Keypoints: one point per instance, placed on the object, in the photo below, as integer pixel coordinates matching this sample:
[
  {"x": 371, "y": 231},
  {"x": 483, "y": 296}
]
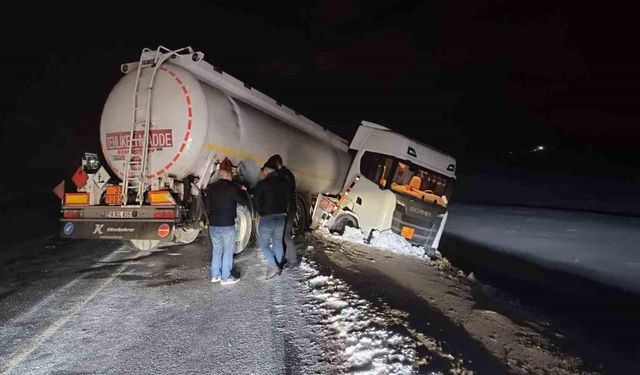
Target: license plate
[{"x": 121, "y": 214}]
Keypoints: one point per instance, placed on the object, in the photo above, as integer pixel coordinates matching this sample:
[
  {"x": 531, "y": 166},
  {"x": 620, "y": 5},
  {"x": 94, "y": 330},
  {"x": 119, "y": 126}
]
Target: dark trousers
[{"x": 290, "y": 248}]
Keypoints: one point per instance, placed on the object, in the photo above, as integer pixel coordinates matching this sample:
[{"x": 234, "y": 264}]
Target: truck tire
[
  {"x": 142, "y": 245},
  {"x": 244, "y": 228},
  {"x": 186, "y": 235},
  {"x": 343, "y": 221},
  {"x": 301, "y": 217}
]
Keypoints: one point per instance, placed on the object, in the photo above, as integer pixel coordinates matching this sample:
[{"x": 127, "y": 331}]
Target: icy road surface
[
  {"x": 95, "y": 307},
  {"x": 604, "y": 248}
]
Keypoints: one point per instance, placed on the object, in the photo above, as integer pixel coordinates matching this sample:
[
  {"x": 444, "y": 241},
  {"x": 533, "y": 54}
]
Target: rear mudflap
[{"x": 118, "y": 229}]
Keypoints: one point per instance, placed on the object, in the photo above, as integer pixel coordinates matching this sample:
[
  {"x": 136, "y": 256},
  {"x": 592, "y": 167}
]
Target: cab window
[
  {"x": 420, "y": 183},
  {"x": 376, "y": 167}
]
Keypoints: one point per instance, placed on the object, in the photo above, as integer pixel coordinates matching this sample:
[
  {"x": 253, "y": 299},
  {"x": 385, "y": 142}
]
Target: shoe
[
  {"x": 273, "y": 272},
  {"x": 215, "y": 279},
  {"x": 229, "y": 281}
]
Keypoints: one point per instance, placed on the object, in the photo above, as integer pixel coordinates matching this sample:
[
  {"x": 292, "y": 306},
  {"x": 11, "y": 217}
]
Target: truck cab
[{"x": 394, "y": 183}]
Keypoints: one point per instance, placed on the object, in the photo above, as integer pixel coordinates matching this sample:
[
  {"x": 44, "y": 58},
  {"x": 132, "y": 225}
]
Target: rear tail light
[
  {"x": 164, "y": 214},
  {"x": 72, "y": 214},
  {"x": 76, "y": 199},
  {"x": 161, "y": 198}
]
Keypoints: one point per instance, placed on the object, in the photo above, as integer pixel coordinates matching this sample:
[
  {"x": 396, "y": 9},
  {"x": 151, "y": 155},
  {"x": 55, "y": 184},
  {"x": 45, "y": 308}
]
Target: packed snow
[
  {"x": 352, "y": 234},
  {"x": 318, "y": 281},
  {"x": 390, "y": 241},
  {"x": 385, "y": 240},
  {"x": 361, "y": 333}
]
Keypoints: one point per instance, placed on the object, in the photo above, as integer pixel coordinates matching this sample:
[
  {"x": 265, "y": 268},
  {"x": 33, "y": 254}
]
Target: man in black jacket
[
  {"x": 290, "y": 256},
  {"x": 271, "y": 198},
  {"x": 222, "y": 198}
]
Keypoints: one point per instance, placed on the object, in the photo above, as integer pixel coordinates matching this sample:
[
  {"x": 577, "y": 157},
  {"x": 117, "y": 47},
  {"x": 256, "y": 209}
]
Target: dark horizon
[
  {"x": 523, "y": 258},
  {"x": 485, "y": 83}
]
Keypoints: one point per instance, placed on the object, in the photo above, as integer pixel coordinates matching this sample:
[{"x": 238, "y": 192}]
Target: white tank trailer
[
  {"x": 194, "y": 116},
  {"x": 193, "y": 121}
]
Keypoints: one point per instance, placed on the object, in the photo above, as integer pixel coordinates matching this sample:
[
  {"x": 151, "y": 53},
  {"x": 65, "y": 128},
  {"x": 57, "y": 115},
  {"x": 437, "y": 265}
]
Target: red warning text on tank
[{"x": 158, "y": 138}]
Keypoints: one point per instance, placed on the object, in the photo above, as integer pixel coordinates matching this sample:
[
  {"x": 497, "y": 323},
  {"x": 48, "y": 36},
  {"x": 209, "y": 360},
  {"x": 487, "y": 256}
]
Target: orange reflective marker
[
  {"x": 114, "y": 195},
  {"x": 407, "y": 232},
  {"x": 76, "y": 199},
  {"x": 162, "y": 197}
]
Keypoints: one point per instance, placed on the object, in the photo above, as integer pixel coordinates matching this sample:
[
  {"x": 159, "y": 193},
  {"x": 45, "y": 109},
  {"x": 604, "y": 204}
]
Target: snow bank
[
  {"x": 363, "y": 334},
  {"x": 385, "y": 240},
  {"x": 351, "y": 234},
  {"x": 397, "y": 244}
]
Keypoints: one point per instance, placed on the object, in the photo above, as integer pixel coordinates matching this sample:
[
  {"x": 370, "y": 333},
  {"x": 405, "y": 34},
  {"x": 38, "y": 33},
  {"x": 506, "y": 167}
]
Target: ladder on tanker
[{"x": 135, "y": 162}]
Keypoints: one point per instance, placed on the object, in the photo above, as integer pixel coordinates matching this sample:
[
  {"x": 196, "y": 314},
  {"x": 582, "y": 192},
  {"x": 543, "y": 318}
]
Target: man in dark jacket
[
  {"x": 271, "y": 199},
  {"x": 222, "y": 198},
  {"x": 291, "y": 257}
]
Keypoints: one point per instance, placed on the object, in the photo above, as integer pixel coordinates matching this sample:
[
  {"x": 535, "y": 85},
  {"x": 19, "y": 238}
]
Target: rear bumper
[
  {"x": 134, "y": 223},
  {"x": 117, "y": 229}
]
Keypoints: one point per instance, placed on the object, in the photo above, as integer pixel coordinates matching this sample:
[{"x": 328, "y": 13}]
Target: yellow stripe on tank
[
  {"x": 238, "y": 154},
  {"x": 231, "y": 152}
]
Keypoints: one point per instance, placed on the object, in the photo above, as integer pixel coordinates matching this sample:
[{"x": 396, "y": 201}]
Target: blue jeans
[
  {"x": 270, "y": 235},
  {"x": 223, "y": 240}
]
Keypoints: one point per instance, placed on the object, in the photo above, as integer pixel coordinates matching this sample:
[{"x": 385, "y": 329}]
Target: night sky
[{"x": 471, "y": 78}]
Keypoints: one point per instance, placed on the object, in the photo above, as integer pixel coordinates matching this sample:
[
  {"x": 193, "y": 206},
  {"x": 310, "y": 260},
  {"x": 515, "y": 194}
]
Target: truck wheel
[
  {"x": 301, "y": 217},
  {"x": 186, "y": 236},
  {"x": 142, "y": 245},
  {"x": 344, "y": 221},
  {"x": 244, "y": 228}
]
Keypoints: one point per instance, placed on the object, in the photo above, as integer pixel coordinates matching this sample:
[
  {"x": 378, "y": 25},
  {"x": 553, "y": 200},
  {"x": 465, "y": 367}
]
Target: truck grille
[{"x": 424, "y": 217}]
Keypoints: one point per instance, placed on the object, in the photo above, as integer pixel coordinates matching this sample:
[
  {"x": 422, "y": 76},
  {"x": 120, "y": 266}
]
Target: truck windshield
[{"x": 408, "y": 179}]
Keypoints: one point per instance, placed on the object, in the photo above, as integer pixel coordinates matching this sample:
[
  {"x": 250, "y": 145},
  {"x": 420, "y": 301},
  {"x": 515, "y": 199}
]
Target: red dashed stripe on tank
[
  {"x": 187, "y": 135},
  {"x": 186, "y": 138}
]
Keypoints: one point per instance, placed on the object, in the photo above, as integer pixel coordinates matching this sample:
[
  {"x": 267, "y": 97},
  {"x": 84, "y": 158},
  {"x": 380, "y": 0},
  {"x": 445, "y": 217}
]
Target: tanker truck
[{"x": 173, "y": 119}]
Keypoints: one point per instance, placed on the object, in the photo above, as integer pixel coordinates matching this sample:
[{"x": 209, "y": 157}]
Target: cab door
[{"x": 369, "y": 200}]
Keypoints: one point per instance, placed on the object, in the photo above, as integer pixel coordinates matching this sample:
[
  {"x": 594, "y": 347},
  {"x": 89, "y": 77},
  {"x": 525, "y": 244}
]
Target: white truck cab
[{"x": 394, "y": 183}]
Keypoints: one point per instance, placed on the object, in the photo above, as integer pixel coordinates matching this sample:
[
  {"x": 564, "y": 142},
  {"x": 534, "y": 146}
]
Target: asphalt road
[{"x": 97, "y": 307}]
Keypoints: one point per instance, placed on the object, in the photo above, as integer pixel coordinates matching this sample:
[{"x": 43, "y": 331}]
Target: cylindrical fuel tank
[{"x": 191, "y": 120}]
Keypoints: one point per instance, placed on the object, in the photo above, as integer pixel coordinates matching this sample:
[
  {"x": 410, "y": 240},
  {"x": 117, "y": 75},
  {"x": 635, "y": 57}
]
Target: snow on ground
[
  {"x": 361, "y": 334},
  {"x": 352, "y": 234},
  {"x": 596, "y": 246},
  {"x": 385, "y": 240},
  {"x": 390, "y": 241}
]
